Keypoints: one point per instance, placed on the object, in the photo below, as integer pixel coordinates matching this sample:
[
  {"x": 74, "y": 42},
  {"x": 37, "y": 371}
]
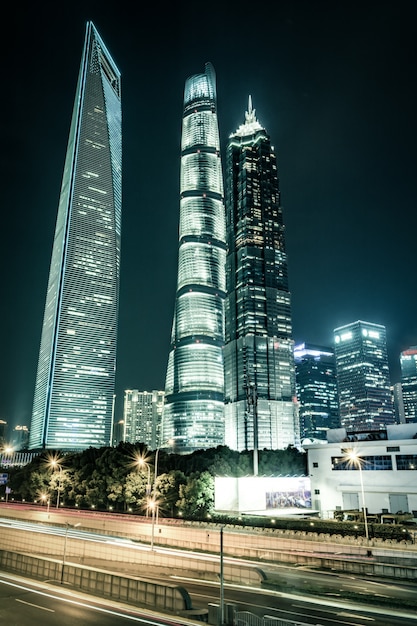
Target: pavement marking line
[
  {"x": 37, "y": 606},
  {"x": 371, "y": 619}
]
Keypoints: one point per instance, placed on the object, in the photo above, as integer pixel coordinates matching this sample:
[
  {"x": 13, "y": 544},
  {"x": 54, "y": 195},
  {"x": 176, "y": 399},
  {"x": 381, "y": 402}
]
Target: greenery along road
[{"x": 114, "y": 477}]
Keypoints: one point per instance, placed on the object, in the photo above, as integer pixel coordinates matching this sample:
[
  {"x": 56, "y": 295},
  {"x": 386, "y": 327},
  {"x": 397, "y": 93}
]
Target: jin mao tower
[
  {"x": 258, "y": 355},
  {"x": 194, "y": 391},
  {"x": 74, "y": 394}
]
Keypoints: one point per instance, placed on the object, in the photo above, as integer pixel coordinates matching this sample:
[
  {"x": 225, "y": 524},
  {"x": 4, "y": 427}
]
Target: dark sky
[{"x": 334, "y": 83}]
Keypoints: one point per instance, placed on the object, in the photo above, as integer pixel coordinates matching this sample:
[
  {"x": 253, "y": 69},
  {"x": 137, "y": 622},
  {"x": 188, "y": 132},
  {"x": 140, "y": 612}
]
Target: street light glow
[
  {"x": 352, "y": 457},
  {"x": 55, "y": 463}
]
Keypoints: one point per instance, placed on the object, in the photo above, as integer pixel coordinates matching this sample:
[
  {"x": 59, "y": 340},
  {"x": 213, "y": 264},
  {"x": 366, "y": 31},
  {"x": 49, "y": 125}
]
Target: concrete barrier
[
  {"x": 136, "y": 591},
  {"x": 106, "y": 555},
  {"x": 264, "y": 545}
]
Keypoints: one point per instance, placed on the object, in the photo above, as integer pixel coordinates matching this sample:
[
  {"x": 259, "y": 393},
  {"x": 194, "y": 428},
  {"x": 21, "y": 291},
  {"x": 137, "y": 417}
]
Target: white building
[{"x": 385, "y": 482}]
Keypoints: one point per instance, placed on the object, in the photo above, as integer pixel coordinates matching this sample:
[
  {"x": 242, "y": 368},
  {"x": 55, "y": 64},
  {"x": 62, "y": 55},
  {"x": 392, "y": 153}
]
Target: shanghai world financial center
[{"x": 74, "y": 393}]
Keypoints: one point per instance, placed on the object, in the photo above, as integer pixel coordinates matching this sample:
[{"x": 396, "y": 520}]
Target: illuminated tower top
[{"x": 251, "y": 124}]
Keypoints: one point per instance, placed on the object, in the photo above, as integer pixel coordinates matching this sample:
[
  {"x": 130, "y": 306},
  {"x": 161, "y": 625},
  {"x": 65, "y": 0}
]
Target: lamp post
[
  {"x": 356, "y": 460},
  {"x": 142, "y": 462},
  {"x": 44, "y": 498},
  {"x": 55, "y": 464},
  {"x": 154, "y": 507},
  {"x": 68, "y": 526},
  {"x": 153, "y": 503},
  {"x": 221, "y": 579}
]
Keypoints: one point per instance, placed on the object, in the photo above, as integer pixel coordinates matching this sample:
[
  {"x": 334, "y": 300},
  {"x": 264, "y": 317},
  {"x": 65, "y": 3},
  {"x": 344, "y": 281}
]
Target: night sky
[{"x": 334, "y": 84}]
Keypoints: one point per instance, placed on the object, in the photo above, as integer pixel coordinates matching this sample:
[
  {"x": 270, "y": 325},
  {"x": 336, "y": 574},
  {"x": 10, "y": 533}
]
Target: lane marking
[
  {"x": 37, "y": 606},
  {"x": 353, "y": 616}
]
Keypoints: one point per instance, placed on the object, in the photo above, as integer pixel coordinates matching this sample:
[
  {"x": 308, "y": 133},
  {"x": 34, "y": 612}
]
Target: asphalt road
[
  {"x": 25, "y": 603},
  {"x": 301, "y": 609},
  {"x": 292, "y": 599}
]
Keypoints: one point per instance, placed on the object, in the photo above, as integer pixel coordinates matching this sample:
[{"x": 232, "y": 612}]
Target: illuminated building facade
[
  {"x": 315, "y": 375},
  {"x": 408, "y": 361},
  {"x": 142, "y": 416},
  {"x": 363, "y": 379},
  {"x": 193, "y": 413},
  {"x": 74, "y": 394},
  {"x": 258, "y": 354}
]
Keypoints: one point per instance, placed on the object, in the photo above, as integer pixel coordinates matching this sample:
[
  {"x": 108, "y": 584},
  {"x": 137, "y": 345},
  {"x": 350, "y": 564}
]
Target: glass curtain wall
[
  {"x": 74, "y": 394},
  {"x": 258, "y": 355},
  {"x": 193, "y": 413}
]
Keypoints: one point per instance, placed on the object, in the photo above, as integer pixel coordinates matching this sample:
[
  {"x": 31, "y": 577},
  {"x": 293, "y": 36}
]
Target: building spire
[
  {"x": 250, "y": 113},
  {"x": 251, "y": 124}
]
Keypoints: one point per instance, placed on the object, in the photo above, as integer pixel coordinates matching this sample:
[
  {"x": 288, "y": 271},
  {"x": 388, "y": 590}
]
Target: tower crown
[{"x": 251, "y": 124}]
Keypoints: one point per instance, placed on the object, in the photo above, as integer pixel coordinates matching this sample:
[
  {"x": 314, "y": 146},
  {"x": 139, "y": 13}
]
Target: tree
[
  {"x": 168, "y": 491},
  {"x": 196, "y": 499}
]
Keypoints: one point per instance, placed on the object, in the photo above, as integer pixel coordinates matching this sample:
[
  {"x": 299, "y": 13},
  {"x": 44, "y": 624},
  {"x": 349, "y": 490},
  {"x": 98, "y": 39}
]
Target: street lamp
[
  {"x": 68, "y": 526},
  {"x": 153, "y": 505},
  {"x": 152, "y": 502},
  {"x": 354, "y": 458},
  {"x": 221, "y": 579},
  {"x": 143, "y": 463},
  {"x": 44, "y": 498},
  {"x": 55, "y": 464}
]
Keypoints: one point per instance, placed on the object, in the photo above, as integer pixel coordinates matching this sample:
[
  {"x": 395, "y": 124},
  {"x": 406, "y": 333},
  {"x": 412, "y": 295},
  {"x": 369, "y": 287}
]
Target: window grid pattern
[
  {"x": 369, "y": 463},
  {"x": 406, "y": 461},
  {"x": 73, "y": 404},
  {"x": 258, "y": 328},
  {"x": 193, "y": 413},
  {"x": 363, "y": 376}
]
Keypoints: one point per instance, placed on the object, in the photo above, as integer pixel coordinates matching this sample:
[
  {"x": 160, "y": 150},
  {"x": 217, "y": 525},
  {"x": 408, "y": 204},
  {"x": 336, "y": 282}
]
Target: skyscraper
[
  {"x": 363, "y": 376},
  {"x": 315, "y": 375},
  {"x": 142, "y": 415},
  {"x": 408, "y": 361},
  {"x": 193, "y": 413},
  {"x": 74, "y": 394},
  {"x": 258, "y": 354}
]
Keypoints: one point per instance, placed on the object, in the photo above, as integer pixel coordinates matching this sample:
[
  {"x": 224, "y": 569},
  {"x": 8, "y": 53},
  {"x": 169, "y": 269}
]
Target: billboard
[{"x": 262, "y": 494}]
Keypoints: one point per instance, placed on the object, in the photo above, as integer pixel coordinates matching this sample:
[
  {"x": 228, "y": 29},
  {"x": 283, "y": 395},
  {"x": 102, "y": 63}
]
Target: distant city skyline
[{"x": 332, "y": 86}]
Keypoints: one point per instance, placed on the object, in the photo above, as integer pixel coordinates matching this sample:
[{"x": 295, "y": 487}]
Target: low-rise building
[{"x": 375, "y": 470}]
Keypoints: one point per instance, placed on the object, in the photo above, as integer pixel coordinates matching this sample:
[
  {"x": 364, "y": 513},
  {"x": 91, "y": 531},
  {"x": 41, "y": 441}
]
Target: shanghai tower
[
  {"x": 258, "y": 353},
  {"x": 193, "y": 415},
  {"x": 74, "y": 393}
]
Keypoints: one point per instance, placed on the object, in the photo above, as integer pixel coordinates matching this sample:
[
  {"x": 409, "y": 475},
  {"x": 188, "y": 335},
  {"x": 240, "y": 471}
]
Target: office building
[
  {"x": 194, "y": 391},
  {"x": 258, "y": 354},
  {"x": 315, "y": 375},
  {"x": 142, "y": 416},
  {"x": 408, "y": 361},
  {"x": 74, "y": 395},
  {"x": 363, "y": 379},
  {"x": 398, "y": 401},
  {"x": 20, "y": 438}
]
